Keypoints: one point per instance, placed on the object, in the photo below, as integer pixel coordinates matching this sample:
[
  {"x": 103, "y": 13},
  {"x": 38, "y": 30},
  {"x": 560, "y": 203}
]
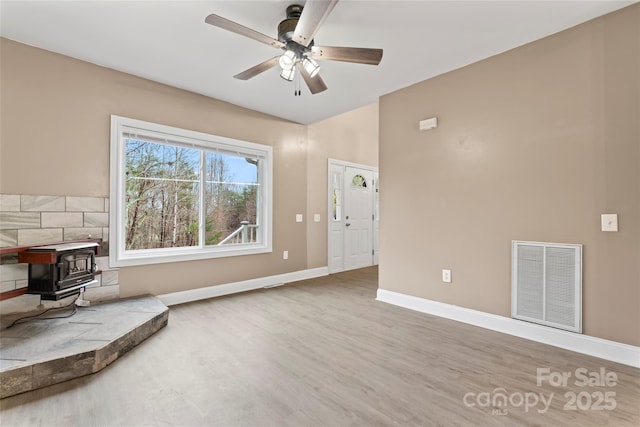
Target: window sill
[{"x": 147, "y": 257}]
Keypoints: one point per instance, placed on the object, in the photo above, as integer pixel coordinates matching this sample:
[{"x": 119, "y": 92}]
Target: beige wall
[
  {"x": 533, "y": 144},
  {"x": 56, "y": 110},
  {"x": 350, "y": 137}
]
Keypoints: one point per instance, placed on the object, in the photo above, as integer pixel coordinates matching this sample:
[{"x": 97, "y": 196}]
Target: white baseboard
[
  {"x": 598, "y": 347},
  {"x": 191, "y": 295}
]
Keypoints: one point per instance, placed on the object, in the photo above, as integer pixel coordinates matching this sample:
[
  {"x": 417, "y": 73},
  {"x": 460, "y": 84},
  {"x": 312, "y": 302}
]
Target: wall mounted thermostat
[{"x": 429, "y": 124}]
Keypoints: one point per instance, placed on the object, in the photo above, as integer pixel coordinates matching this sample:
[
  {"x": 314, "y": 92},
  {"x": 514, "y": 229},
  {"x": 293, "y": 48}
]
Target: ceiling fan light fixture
[
  {"x": 311, "y": 66},
  {"x": 288, "y": 74},
  {"x": 287, "y": 60},
  {"x": 297, "y": 46}
]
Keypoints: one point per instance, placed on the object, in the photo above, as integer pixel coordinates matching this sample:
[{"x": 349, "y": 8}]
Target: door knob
[{"x": 347, "y": 224}]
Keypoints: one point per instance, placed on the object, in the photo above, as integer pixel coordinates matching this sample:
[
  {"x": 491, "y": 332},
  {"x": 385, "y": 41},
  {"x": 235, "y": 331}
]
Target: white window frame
[{"x": 120, "y": 257}]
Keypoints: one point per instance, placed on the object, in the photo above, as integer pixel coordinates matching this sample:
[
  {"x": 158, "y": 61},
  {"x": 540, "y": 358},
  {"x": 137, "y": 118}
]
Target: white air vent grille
[{"x": 546, "y": 284}]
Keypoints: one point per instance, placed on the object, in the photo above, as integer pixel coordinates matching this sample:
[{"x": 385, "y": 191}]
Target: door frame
[{"x": 337, "y": 266}]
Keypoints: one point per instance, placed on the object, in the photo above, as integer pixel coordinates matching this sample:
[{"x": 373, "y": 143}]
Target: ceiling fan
[{"x": 295, "y": 38}]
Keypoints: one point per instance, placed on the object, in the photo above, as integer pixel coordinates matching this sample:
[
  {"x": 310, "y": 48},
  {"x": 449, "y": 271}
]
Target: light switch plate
[
  {"x": 298, "y": 217},
  {"x": 316, "y": 217},
  {"x": 609, "y": 222}
]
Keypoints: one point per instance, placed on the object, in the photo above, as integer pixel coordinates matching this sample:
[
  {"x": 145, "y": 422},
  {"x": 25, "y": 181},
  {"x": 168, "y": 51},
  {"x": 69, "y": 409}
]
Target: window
[
  {"x": 359, "y": 181},
  {"x": 178, "y": 195},
  {"x": 337, "y": 196}
]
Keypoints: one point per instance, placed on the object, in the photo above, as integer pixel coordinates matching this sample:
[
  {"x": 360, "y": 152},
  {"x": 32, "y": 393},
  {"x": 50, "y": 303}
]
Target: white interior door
[{"x": 358, "y": 218}]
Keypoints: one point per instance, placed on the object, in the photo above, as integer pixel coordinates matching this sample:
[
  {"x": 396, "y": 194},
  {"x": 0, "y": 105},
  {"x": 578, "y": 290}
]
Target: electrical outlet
[
  {"x": 285, "y": 255},
  {"x": 446, "y": 276},
  {"x": 298, "y": 217}
]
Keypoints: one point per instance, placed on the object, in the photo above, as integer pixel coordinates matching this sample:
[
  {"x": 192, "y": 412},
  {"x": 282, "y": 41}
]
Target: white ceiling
[{"x": 169, "y": 42}]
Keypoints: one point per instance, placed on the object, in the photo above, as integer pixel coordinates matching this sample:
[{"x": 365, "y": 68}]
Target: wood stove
[{"x": 62, "y": 270}]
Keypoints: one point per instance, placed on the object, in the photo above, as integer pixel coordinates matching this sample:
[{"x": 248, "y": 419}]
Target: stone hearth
[{"x": 37, "y": 354}]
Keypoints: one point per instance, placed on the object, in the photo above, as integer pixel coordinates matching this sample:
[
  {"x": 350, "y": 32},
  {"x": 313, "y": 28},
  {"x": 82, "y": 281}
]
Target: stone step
[{"x": 39, "y": 353}]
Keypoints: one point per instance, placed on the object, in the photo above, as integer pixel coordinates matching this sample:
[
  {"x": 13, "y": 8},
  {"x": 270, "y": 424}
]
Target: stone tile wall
[{"x": 37, "y": 220}]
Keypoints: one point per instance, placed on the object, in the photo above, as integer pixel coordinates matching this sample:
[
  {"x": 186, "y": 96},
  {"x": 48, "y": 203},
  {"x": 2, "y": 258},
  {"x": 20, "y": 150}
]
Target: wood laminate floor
[{"x": 323, "y": 352}]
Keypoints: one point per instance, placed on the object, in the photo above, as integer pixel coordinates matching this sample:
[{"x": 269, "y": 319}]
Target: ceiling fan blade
[
  {"x": 313, "y": 15},
  {"x": 360, "y": 55},
  {"x": 224, "y": 23},
  {"x": 257, "y": 69},
  {"x": 315, "y": 84}
]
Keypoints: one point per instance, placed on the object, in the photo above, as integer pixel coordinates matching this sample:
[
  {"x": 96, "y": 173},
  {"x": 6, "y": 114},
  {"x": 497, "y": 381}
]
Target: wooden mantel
[{"x": 18, "y": 249}]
